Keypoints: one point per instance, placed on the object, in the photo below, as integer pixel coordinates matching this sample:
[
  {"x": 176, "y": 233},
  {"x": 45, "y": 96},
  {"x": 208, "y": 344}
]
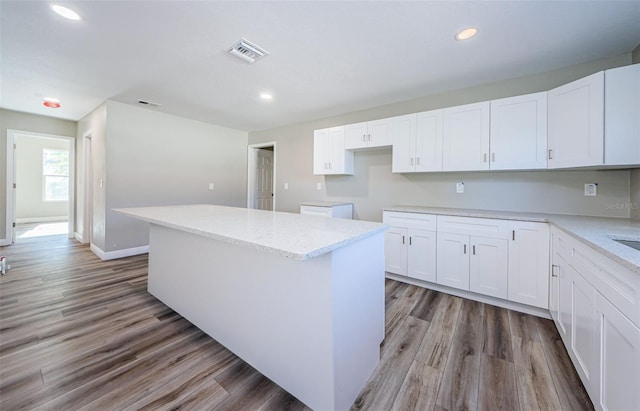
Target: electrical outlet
[
  {"x": 319, "y": 186},
  {"x": 460, "y": 187},
  {"x": 286, "y": 186},
  {"x": 590, "y": 189},
  {"x": 211, "y": 186}
]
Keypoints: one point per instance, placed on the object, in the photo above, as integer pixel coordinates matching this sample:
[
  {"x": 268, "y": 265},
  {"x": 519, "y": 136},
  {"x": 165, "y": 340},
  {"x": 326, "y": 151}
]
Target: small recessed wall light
[
  {"x": 51, "y": 102},
  {"x": 65, "y": 12},
  {"x": 266, "y": 96},
  {"x": 466, "y": 34}
]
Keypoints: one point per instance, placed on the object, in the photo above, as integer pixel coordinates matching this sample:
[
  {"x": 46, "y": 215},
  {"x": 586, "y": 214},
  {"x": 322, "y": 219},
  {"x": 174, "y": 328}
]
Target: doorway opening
[
  {"x": 39, "y": 186},
  {"x": 261, "y": 176}
]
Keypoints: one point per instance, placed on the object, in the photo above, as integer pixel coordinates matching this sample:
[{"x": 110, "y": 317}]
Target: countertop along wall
[
  {"x": 374, "y": 186},
  {"x": 16, "y": 120}
]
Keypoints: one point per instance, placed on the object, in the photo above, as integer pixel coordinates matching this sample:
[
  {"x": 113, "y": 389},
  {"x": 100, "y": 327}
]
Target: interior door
[{"x": 264, "y": 179}]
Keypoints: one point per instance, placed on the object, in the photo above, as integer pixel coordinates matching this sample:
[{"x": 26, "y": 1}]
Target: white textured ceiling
[{"x": 326, "y": 58}]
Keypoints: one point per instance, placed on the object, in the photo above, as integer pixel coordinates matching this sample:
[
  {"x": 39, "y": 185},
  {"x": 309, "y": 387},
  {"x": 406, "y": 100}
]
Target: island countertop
[{"x": 294, "y": 236}]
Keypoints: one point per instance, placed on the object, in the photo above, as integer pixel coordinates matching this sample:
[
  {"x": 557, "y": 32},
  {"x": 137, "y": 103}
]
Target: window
[{"x": 55, "y": 171}]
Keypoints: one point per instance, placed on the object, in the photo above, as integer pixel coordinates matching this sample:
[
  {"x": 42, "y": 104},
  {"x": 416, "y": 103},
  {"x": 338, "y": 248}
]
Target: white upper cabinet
[
  {"x": 466, "y": 137},
  {"x": 329, "y": 155},
  {"x": 519, "y": 132},
  {"x": 417, "y": 142},
  {"x": 576, "y": 123},
  {"x": 368, "y": 134},
  {"x": 622, "y": 116}
]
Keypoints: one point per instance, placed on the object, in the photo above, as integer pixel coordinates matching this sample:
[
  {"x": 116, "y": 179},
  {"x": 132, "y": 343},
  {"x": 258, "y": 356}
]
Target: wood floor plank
[
  {"x": 497, "y": 335},
  {"x": 381, "y": 390},
  {"x": 419, "y": 390},
  {"x": 497, "y": 372},
  {"x": 438, "y": 339},
  {"x": 523, "y": 326},
  {"x": 533, "y": 377},
  {"x": 459, "y": 386},
  {"x": 564, "y": 375}
]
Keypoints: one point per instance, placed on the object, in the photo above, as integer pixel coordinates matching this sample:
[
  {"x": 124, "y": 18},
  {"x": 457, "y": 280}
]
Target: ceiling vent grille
[
  {"x": 248, "y": 51},
  {"x": 148, "y": 103}
]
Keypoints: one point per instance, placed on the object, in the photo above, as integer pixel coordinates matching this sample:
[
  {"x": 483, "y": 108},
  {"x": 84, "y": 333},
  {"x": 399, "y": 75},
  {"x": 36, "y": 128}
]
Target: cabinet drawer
[
  {"x": 314, "y": 210},
  {"x": 482, "y": 227},
  {"x": 409, "y": 220}
]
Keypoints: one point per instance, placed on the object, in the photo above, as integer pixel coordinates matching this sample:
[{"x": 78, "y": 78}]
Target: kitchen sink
[{"x": 629, "y": 243}]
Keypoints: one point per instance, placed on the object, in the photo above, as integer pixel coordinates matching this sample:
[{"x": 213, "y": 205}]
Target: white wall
[
  {"x": 15, "y": 120},
  {"x": 150, "y": 159},
  {"x": 30, "y": 204},
  {"x": 635, "y": 174},
  {"x": 374, "y": 187}
]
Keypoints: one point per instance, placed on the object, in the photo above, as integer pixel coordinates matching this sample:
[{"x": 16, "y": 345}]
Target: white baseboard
[
  {"x": 523, "y": 308},
  {"x": 112, "y": 255},
  {"x": 42, "y": 219},
  {"x": 78, "y": 237}
]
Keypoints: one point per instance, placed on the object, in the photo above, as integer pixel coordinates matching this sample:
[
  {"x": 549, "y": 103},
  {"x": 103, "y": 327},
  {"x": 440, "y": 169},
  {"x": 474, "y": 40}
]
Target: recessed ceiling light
[
  {"x": 51, "y": 102},
  {"x": 266, "y": 96},
  {"x": 65, "y": 12},
  {"x": 466, "y": 34}
]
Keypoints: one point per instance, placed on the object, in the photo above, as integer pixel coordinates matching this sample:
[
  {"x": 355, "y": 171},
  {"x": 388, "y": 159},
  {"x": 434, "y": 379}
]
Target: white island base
[{"x": 312, "y": 326}]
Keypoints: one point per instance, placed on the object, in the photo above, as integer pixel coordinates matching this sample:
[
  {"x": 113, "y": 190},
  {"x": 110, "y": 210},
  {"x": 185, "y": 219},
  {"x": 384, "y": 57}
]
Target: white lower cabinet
[
  {"x": 594, "y": 303},
  {"x": 410, "y": 245},
  {"x": 504, "y": 259}
]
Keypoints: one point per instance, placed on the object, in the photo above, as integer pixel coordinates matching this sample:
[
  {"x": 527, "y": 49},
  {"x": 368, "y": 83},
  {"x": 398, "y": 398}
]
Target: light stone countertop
[
  {"x": 324, "y": 204},
  {"x": 596, "y": 232},
  {"x": 295, "y": 236}
]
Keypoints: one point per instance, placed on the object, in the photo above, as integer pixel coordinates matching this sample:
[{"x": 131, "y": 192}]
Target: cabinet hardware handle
[
  {"x": 369, "y": 137},
  {"x": 465, "y": 248},
  {"x": 474, "y": 250},
  {"x": 402, "y": 239},
  {"x": 409, "y": 240},
  {"x": 484, "y": 157},
  {"x": 513, "y": 235},
  {"x": 411, "y": 160},
  {"x": 550, "y": 156},
  {"x": 418, "y": 161},
  {"x": 363, "y": 137},
  {"x": 553, "y": 270},
  {"x": 329, "y": 165},
  {"x": 493, "y": 157}
]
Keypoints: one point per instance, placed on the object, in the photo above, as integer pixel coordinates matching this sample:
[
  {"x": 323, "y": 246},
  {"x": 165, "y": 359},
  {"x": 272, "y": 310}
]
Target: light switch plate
[
  {"x": 286, "y": 186},
  {"x": 319, "y": 186},
  {"x": 211, "y": 186},
  {"x": 460, "y": 187},
  {"x": 590, "y": 189}
]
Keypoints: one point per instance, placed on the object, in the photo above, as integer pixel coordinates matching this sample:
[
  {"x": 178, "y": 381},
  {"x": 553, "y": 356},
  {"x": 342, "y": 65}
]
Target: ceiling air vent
[
  {"x": 148, "y": 103},
  {"x": 248, "y": 51}
]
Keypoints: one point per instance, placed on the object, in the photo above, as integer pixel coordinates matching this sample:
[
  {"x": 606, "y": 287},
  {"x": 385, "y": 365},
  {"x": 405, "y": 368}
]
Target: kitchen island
[{"x": 299, "y": 298}]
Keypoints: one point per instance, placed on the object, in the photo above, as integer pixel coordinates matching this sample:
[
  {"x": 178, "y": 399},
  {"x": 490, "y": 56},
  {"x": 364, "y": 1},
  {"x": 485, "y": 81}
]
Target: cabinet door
[
  {"x": 529, "y": 263},
  {"x": 395, "y": 250},
  {"x": 422, "y": 255},
  {"x": 564, "y": 272},
  {"x": 519, "y": 132},
  {"x": 453, "y": 260},
  {"x": 339, "y": 160},
  {"x": 466, "y": 137},
  {"x": 379, "y": 133},
  {"x": 355, "y": 136},
  {"x": 320, "y": 147},
  {"x": 583, "y": 329},
  {"x": 554, "y": 285},
  {"x": 403, "y": 130},
  {"x": 618, "y": 347},
  {"x": 622, "y": 118},
  {"x": 315, "y": 210},
  {"x": 428, "y": 146},
  {"x": 488, "y": 266},
  {"x": 576, "y": 123}
]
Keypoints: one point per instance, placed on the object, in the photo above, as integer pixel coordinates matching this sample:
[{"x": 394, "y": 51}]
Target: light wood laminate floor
[{"x": 80, "y": 333}]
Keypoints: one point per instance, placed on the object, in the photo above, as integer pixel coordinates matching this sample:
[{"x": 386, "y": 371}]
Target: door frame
[
  {"x": 10, "y": 174},
  {"x": 87, "y": 210},
  {"x": 251, "y": 171}
]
